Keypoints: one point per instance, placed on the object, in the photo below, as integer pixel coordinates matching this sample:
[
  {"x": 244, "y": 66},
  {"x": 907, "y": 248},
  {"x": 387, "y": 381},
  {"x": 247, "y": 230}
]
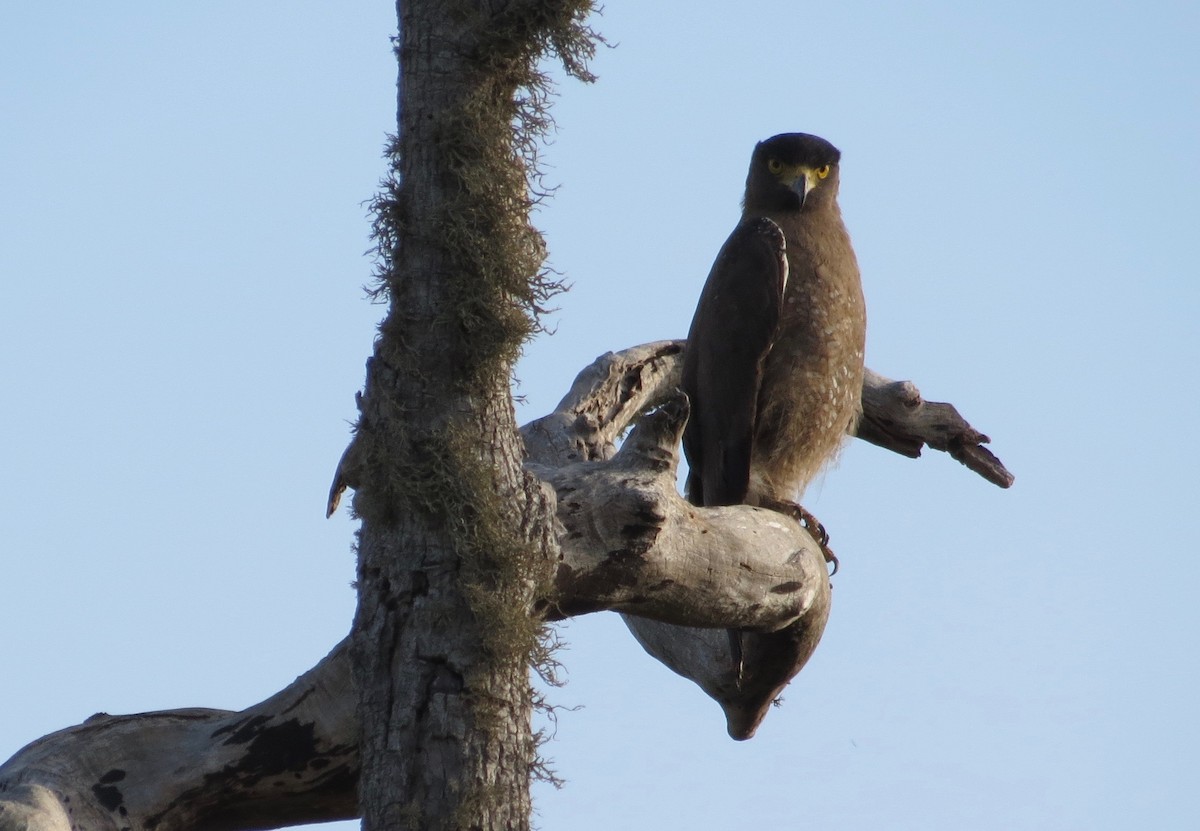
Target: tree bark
[
  {"x": 610, "y": 393},
  {"x": 456, "y": 538},
  {"x": 473, "y": 533},
  {"x": 289, "y": 760},
  {"x": 624, "y": 540},
  {"x": 444, "y": 736}
]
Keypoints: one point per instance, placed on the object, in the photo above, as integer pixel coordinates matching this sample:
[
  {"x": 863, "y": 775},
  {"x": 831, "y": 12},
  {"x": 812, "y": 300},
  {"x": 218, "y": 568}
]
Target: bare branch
[
  {"x": 605, "y": 398},
  {"x": 609, "y": 394},
  {"x": 627, "y": 543},
  {"x": 290, "y": 759},
  {"x": 896, "y": 418}
]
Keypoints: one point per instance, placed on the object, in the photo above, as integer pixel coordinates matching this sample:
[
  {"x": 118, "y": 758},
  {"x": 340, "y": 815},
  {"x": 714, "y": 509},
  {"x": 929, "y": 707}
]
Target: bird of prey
[{"x": 774, "y": 359}]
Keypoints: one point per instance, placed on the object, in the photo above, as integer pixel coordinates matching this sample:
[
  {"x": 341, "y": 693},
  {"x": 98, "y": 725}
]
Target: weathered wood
[
  {"x": 626, "y": 542},
  {"x": 607, "y": 395},
  {"x": 897, "y": 418},
  {"x": 454, "y": 536},
  {"x": 291, "y": 759},
  {"x": 630, "y": 544},
  {"x": 605, "y": 398}
]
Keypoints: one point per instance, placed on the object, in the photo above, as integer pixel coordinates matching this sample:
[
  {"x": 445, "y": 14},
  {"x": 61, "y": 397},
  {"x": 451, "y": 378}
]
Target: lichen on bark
[{"x": 452, "y": 548}]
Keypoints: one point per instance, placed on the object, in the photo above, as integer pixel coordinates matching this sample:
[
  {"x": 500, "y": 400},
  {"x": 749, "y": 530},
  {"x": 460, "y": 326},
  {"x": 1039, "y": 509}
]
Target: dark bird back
[{"x": 774, "y": 359}]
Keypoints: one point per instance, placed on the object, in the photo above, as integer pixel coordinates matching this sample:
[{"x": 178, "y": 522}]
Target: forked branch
[{"x": 679, "y": 574}]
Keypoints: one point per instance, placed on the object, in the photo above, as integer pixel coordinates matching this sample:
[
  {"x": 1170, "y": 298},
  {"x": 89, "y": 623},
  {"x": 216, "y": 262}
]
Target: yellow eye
[
  {"x": 774, "y": 165},
  {"x": 822, "y": 172}
]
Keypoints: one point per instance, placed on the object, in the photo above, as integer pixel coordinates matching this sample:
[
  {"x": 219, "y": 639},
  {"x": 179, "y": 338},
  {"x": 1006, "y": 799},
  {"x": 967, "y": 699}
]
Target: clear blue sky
[{"x": 182, "y": 331}]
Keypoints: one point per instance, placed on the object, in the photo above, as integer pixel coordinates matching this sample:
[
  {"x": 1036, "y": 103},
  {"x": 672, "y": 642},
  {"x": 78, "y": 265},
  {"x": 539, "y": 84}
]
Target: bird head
[{"x": 791, "y": 171}]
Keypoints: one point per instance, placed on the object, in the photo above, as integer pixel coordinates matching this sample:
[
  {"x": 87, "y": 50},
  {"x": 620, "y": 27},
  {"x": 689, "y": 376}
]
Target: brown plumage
[
  {"x": 774, "y": 358},
  {"x": 773, "y": 367}
]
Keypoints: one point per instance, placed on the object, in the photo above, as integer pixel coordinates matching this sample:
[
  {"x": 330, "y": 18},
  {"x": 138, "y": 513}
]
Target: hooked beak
[{"x": 803, "y": 184}]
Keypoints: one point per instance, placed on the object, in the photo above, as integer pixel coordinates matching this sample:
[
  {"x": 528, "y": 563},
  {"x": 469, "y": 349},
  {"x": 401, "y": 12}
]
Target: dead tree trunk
[
  {"x": 455, "y": 540},
  {"x": 294, "y": 758},
  {"x": 473, "y": 533}
]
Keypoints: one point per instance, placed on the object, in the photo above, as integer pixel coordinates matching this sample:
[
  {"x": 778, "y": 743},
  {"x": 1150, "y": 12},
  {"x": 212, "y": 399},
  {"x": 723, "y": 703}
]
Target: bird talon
[
  {"x": 814, "y": 527},
  {"x": 810, "y": 524},
  {"x": 830, "y": 557},
  {"x": 786, "y": 291},
  {"x": 818, "y": 532}
]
